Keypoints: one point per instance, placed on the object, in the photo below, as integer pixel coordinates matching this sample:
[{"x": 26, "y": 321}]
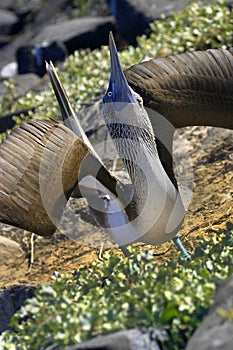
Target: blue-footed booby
[{"x": 42, "y": 162}]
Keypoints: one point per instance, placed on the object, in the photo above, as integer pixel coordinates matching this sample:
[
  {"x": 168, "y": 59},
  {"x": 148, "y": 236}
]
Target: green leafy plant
[
  {"x": 82, "y": 7},
  {"x": 119, "y": 293},
  {"x": 8, "y": 98},
  {"x": 197, "y": 27}
]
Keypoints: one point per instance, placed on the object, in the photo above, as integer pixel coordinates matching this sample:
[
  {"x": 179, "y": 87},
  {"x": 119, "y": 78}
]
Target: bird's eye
[{"x": 110, "y": 94}]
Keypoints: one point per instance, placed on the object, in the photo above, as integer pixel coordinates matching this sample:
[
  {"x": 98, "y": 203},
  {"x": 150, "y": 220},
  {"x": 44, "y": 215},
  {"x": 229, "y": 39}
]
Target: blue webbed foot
[{"x": 181, "y": 248}]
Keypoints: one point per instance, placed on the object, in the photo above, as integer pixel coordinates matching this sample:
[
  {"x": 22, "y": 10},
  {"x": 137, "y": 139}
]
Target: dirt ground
[{"x": 211, "y": 154}]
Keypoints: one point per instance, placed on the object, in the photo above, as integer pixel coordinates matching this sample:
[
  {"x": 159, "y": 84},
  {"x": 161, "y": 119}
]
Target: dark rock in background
[
  {"x": 8, "y": 22},
  {"x": 6, "y": 122},
  {"x": 216, "y": 331},
  {"x": 8, "y": 4},
  {"x": 4, "y": 40},
  {"x": 31, "y": 59},
  {"x": 11, "y": 299},
  {"x": 130, "y": 20},
  {"x": 36, "y": 15}
]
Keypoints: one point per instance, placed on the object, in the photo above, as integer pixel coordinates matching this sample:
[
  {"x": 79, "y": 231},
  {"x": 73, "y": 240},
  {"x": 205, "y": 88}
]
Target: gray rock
[
  {"x": 44, "y": 12},
  {"x": 10, "y": 252},
  {"x": 132, "y": 339},
  {"x": 8, "y": 22},
  {"x": 216, "y": 331},
  {"x": 4, "y": 40},
  {"x": 11, "y": 299},
  {"x": 8, "y": 4},
  {"x": 9, "y": 71},
  {"x": 78, "y": 33}
]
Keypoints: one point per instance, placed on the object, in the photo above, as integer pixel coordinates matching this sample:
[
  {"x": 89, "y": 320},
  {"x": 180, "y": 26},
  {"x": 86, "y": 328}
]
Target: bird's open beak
[{"x": 121, "y": 90}]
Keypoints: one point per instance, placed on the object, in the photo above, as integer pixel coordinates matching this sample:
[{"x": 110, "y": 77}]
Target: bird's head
[
  {"x": 118, "y": 90},
  {"x": 127, "y": 122}
]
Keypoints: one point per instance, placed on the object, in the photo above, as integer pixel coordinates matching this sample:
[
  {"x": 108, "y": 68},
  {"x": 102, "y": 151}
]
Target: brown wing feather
[
  {"x": 193, "y": 88},
  {"x": 38, "y": 161}
]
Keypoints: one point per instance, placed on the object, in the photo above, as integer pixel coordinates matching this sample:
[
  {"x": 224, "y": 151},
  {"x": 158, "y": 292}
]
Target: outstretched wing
[
  {"x": 193, "y": 88},
  {"x": 39, "y": 167}
]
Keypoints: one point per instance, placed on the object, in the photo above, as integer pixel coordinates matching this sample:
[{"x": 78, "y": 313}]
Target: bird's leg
[
  {"x": 101, "y": 251},
  {"x": 181, "y": 248},
  {"x": 31, "y": 262}
]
